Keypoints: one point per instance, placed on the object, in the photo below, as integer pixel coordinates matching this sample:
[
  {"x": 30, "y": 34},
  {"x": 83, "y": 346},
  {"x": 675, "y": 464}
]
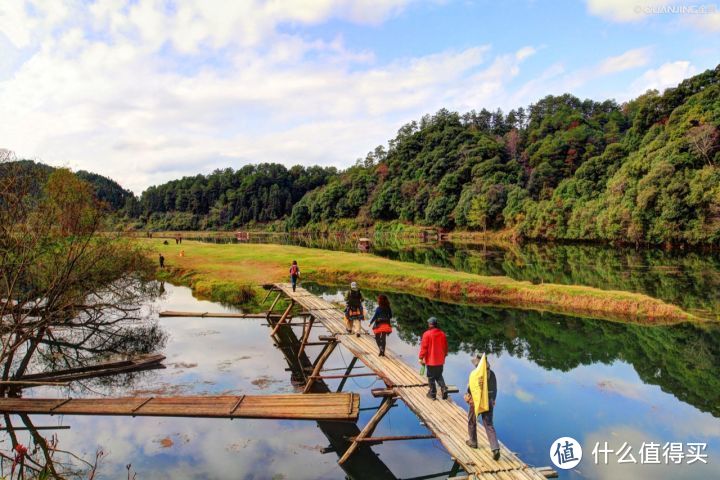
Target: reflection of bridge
[
  {"x": 446, "y": 420},
  {"x": 364, "y": 463}
]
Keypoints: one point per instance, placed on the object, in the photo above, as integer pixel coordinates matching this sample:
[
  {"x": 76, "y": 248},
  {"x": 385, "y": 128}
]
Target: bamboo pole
[
  {"x": 282, "y": 319},
  {"x": 306, "y": 334},
  {"x": 369, "y": 428},
  {"x": 49, "y": 427},
  {"x": 351, "y": 365},
  {"x": 319, "y": 364},
  {"x": 267, "y": 296},
  {"x": 272, "y": 305},
  {"x": 29, "y": 383},
  {"x": 330, "y": 377},
  {"x": 393, "y": 438}
]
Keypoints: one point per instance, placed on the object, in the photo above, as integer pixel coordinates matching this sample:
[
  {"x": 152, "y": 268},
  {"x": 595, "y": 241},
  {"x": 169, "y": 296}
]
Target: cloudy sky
[{"x": 145, "y": 91}]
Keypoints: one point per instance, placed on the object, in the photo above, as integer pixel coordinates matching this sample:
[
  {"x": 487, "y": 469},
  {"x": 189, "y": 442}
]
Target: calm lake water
[{"x": 558, "y": 376}]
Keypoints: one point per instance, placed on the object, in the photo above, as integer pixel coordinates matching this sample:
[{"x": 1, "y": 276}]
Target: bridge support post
[
  {"x": 387, "y": 403},
  {"x": 322, "y": 358},
  {"x": 455, "y": 469},
  {"x": 270, "y": 291},
  {"x": 284, "y": 317},
  {"x": 272, "y": 305},
  {"x": 306, "y": 334}
]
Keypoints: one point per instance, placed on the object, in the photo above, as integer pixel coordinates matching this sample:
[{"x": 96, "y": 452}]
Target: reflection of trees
[
  {"x": 689, "y": 279},
  {"x": 70, "y": 296},
  {"x": 85, "y": 340},
  {"x": 38, "y": 456},
  {"x": 681, "y": 359}
]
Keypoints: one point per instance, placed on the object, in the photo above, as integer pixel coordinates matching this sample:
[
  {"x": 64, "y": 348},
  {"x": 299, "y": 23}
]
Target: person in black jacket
[
  {"x": 487, "y": 417},
  {"x": 354, "y": 312},
  {"x": 380, "y": 323}
]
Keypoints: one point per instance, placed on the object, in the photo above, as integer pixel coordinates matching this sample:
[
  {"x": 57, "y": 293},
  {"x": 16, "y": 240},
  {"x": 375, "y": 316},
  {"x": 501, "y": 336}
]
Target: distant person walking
[
  {"x": 162, "y": 261},
  {"x": 294, "y": 274},
  {"x": 381, "y": 321},
  {"x": 354, "y": 312},
  {"x": 180, "y": 238},
  {"x": 433, "y": 350},
  {"x": 479, "y": 379}
]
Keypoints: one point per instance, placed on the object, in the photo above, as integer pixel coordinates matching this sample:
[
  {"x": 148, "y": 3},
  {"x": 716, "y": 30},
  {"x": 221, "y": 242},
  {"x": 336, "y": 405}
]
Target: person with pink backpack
[{"x": 294, "y": 274}]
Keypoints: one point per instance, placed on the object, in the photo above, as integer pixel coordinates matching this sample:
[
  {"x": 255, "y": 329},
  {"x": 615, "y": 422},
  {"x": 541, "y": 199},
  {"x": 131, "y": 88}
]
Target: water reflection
[
  {"x": 557, "y": 376},
  {"x": 584, "y": 378},
  {"x": 690, "y": 279},
  {"x": 39, "y": 344},
  {"x": 682, "y": 359}
]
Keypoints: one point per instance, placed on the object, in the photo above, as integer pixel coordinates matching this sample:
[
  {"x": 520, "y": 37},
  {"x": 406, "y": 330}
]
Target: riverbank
[{"x": 234, "y": 273}]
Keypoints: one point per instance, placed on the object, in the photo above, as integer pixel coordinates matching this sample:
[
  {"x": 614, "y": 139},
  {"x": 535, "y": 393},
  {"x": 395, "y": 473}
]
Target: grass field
[{"x": 233, "y": 273}]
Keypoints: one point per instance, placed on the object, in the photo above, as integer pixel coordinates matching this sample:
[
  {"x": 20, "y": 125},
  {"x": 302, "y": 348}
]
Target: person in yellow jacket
[{"x": 482, "y": 378}]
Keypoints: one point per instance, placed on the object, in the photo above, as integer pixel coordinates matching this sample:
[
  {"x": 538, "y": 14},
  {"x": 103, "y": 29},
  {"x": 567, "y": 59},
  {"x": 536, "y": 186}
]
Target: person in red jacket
[{"x": 433, "y": 350}]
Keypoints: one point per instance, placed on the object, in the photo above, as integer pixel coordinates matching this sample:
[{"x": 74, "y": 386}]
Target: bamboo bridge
[{"x": 446, "y": 420}]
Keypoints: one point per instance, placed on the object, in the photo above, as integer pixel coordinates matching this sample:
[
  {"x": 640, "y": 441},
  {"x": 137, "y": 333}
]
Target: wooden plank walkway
[
  {"x": 446, "y": 419},
  {"x": 318, "y": 406}
]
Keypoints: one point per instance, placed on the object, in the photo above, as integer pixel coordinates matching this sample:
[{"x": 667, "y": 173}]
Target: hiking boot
[
  {"x": 444, "y": 393},
  {"x": 430, "y": 395},
  {"x": 382, "y": 353},
  {"x": 496, "y": 454},
  {"x": 357, "y": 335},
  {"x": 471, "y": 444}
]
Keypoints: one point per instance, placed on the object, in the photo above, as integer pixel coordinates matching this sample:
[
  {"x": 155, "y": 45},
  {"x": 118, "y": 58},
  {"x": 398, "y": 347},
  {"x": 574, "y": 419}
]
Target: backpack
[{"x": 294, "y": 270}]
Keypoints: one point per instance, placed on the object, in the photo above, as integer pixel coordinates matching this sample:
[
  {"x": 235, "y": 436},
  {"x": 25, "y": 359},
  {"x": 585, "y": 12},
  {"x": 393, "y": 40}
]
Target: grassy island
[{"x": 234, "y": 273}]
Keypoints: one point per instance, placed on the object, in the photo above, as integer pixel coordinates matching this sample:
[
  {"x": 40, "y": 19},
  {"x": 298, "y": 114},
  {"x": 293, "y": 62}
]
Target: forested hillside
[
  {"x": 228, "y": 198},
  {"x": 647, "y": 171},
  {"x": 106, "y": 190}
]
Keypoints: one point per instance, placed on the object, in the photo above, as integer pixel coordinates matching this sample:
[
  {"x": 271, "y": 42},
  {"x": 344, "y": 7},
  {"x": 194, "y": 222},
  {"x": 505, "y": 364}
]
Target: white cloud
[
  {"x": 635, "y": 58},
  {"x": 697, "y": 14},
  {"x": 144, "y": 92},
  {"x": 142, "y": 95},
  {"x": 666, "y": 75},
  {"x": 623, "y": 10},
  {"x": 709, "y": 22},
  {"x": 556, "y": 79}
]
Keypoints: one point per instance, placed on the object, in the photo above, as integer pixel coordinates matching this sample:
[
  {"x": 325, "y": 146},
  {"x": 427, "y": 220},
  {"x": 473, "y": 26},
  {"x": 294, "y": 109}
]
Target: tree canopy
[{"x": 646, "y": 171}]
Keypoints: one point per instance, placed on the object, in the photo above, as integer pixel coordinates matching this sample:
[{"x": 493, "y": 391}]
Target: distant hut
[
  {"x": 429, "y": 235},
  {"x": 364, "y": 244}
]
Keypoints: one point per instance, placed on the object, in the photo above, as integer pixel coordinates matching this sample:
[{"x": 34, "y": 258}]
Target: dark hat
[
  {"x": 432, "y": 321},
  {"x": 476, "y": 360}
]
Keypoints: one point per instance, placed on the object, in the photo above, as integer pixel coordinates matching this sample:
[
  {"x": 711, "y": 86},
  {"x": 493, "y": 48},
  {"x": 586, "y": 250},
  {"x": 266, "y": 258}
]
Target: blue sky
[{"x": 145, "y": 91}]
